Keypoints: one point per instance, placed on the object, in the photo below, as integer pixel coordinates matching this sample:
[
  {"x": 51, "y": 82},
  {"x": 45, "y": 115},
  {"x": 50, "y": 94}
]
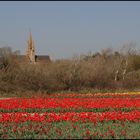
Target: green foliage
[
  {"x": 69, "y": 130},
  {"x": 60, "y": 110}
]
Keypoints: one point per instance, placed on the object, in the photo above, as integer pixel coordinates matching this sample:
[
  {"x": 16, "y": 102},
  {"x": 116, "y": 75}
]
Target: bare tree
[
  {"x": 125, "y": 51},
  {"x": 7, "y": 57},
  {"x": 106, "y": 52},
  {"x": 5, "y": 51}
]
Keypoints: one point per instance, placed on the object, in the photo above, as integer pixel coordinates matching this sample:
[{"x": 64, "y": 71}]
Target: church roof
[
  {"x": 38, "y": 58},
  {"x": 42, "y": 58}
]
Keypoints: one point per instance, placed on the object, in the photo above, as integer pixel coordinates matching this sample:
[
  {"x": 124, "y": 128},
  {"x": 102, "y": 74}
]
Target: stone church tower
[
  {"x": 31, "y": 50},
  {"x": 30, "y": 56}
]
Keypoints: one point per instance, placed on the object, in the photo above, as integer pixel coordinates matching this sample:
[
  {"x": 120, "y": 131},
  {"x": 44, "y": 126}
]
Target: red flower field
[
  {"x": 70, "y": 103},
  {"x": 91, "y": 116},
  {"x": 70, "y": 116}
]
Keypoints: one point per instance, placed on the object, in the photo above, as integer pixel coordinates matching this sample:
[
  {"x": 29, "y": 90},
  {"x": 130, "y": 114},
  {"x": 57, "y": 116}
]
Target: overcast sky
[{"x": 66, "y": 28}]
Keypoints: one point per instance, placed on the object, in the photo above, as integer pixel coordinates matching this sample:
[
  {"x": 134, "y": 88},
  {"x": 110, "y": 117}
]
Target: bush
[{"x": 96, "y": 72}]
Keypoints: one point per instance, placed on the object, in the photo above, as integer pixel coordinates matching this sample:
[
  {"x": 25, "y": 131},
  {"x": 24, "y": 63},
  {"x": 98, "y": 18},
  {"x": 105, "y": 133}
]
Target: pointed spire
[
  {"x": 30, "y": 37},
  {"x": 30, "y": 41},
  {"x": 30, "y": 34},
  {"x": 31, "y": 48}
]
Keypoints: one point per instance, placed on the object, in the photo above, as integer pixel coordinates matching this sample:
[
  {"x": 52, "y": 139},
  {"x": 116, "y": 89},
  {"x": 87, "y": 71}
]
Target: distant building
[{"x": 31, "y": 55}]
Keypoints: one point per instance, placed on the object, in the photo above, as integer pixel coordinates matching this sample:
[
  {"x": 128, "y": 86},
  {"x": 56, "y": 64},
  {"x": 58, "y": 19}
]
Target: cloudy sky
[{"x": 66, "y": 28}]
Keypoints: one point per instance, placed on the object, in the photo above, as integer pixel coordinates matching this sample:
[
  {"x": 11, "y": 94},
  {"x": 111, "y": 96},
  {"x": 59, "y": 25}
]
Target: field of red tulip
[{"x": 71, "y": 116}]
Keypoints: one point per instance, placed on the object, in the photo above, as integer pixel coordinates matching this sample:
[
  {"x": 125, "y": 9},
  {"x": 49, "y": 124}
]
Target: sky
[{"x": 63, "y": 29}]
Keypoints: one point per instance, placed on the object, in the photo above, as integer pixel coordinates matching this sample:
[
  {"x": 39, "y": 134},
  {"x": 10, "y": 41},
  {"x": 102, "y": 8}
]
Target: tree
[{"x": 7, "y": 57}]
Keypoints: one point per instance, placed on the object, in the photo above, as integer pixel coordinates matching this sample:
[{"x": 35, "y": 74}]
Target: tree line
[{"x": 108, "y": 69}]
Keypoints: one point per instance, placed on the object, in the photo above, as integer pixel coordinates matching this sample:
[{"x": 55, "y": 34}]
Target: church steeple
[{"x": 31, "y": 49}]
